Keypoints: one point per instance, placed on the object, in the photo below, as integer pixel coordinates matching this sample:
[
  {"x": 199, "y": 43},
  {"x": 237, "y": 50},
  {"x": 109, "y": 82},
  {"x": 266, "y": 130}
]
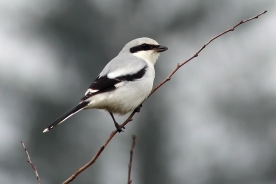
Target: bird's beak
[{"x": 161, "y": 48}]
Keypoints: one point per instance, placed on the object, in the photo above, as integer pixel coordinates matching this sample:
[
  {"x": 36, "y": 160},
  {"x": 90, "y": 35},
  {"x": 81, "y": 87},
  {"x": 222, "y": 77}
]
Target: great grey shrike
[{"x": 124, "y": 83}]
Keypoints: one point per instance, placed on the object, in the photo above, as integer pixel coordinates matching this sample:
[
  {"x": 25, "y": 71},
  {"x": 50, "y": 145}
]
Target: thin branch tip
[
  {"x": 30, "y": 162},
  {"x": 129, "y": 180}
]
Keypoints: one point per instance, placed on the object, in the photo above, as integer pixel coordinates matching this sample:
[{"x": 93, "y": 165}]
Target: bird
[{"x": 123, "y": 84}]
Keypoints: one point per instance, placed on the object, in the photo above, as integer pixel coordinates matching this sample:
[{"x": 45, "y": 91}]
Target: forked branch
[{"x": 71, "y": 178}]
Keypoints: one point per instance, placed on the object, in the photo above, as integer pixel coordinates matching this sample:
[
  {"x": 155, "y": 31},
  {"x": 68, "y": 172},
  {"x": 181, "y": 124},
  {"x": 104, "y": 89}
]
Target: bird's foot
[
  {"x": 119, "y": 127},
  {"x": 138, "y": 109}
]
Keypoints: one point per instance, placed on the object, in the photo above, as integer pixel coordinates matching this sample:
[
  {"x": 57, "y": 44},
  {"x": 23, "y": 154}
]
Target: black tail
[{"x": 67, "y": 115}]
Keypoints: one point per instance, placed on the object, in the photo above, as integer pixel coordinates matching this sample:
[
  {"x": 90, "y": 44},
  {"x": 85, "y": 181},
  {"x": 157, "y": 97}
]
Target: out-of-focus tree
[{"x": 204, "y": 126}]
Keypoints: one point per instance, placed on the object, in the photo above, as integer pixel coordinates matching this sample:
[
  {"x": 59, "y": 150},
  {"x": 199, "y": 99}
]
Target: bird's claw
[
  {"x": 138, "y": 109},
  {"x": 119, "y": 127}
]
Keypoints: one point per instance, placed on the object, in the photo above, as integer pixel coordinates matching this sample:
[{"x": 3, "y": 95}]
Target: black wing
[{"x": 104, "y": 84}]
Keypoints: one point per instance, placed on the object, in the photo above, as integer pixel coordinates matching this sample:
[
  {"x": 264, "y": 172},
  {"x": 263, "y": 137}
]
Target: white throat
[{"x": 149, "y": 56}]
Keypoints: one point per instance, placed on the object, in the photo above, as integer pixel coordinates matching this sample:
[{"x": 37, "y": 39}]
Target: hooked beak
[{"x": 161, "y": 48}]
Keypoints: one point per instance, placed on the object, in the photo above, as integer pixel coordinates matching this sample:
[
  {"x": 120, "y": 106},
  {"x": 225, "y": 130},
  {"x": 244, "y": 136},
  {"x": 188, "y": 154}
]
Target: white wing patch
[
  {"x": 113, "y": 75},
  {"x": 130, "y": 70},
  {"x": 119, "y": 84},
  {"x": 91, "y": 91}
]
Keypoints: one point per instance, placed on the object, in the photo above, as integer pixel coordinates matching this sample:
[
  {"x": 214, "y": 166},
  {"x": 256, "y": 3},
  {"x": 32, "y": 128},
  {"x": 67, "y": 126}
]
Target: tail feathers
[{"x": 67, "y": 115}]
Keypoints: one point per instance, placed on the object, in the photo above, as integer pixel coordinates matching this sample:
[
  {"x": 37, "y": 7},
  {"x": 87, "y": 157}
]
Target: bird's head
[{"x": 145, "y": 48}]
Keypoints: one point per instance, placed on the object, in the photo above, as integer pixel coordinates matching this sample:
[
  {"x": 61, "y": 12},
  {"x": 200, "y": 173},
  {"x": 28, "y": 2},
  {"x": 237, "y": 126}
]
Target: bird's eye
[{"x": 144, "y": 45}]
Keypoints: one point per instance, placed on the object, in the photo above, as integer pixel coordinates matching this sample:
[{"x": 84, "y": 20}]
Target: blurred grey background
[{"x": 213, "y": 123}]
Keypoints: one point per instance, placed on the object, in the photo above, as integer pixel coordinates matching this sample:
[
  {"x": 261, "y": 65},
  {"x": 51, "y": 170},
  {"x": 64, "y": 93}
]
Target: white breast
[{"x": 128, "y": 95}]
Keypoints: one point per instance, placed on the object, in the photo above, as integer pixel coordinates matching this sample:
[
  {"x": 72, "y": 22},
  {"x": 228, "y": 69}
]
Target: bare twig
[
  {"x": 30, "y": 162},
  {"x": 71, "y": 178},
  {"x": 156, "y": 88},
  {"x": 129, "y": 180},
  {"x": 203, "y": 47}
]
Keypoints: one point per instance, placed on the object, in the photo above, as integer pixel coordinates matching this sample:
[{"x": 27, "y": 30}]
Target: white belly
[
  {"x": 127, "y": 97},
  {"x": 124, "y": 99}
]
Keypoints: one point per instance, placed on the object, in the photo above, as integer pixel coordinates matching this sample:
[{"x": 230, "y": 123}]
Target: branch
[
  {"x": 93, "y": 160},
  {"x": 203, "y": 47},
  {"x": 30, "y": 162},
  {"x": 179, "y": 65},
  {"x": 129, "y": 180}
]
